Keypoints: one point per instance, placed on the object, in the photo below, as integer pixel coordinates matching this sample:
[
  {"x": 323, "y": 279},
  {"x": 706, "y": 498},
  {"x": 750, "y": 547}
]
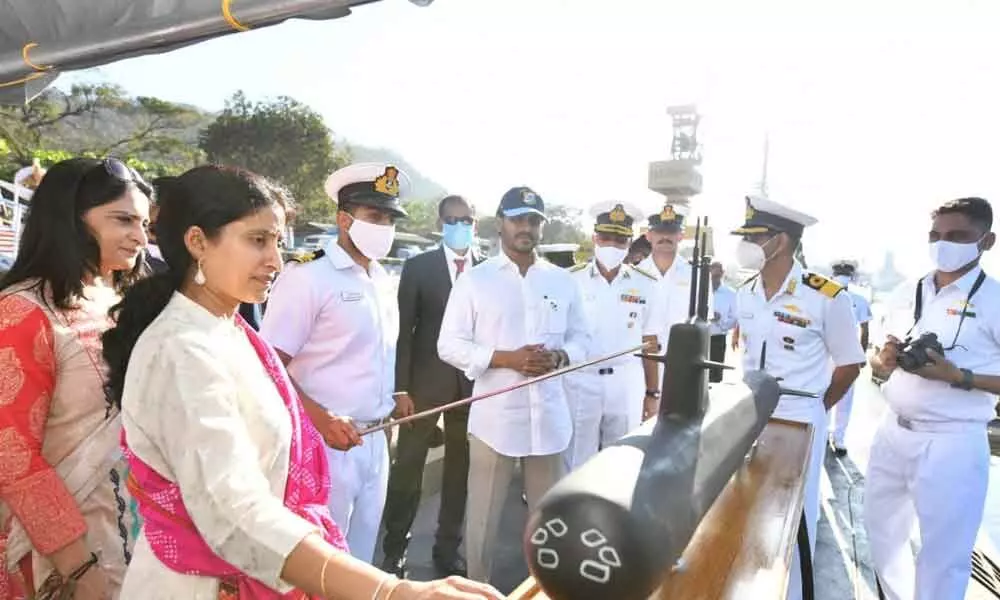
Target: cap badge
[
  {"x": 528, "y": 197},
  {"x": 667, "y": 214},
  {"x": 388, "y": 182},
  {"x": 617, "y": 214},
  {"x": 750, "y": 211}
]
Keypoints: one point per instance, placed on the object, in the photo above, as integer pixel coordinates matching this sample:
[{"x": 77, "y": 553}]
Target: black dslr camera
[{"x": 911, "y": 354}]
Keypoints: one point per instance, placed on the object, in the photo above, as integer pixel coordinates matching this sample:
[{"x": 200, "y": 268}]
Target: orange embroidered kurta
[{"x": 52, "y": 402}]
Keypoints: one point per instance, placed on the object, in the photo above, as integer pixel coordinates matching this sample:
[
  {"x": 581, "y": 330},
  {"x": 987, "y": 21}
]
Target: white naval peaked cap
[
  {"x": 764, "y": 215},
  {"x": 376, "y": 184},
  {"x": 605, "y": 206},
  {"x": 614, "y": 218}
]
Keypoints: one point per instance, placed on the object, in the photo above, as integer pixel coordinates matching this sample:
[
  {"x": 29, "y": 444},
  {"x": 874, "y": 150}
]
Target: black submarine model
[{"x": 613, "y": 528}]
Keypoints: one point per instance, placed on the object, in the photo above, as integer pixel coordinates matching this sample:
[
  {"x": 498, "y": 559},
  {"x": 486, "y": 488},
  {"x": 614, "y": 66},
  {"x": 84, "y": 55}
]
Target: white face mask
[
  {"x": 843, "y": 280},
  {"x": 609, "y": 256},
  {"x": 374, "y": 241},
  {"x": 750, "y": 256},
  {"x": 949, "y": 257}
]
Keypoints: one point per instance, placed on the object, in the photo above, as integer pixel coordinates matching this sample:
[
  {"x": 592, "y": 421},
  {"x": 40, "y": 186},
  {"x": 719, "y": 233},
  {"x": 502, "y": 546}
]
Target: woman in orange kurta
[{"x": 65, "y": 512}]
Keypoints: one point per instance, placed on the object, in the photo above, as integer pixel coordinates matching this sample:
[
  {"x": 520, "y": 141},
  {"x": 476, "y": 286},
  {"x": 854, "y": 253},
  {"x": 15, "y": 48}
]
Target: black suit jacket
[{"x": 424, "y": 287}]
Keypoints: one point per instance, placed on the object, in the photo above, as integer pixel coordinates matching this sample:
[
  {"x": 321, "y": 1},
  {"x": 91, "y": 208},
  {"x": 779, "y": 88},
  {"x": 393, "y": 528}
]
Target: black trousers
[
  {"x": 406, "y": 479},
  {"x": 716, "y": 353}
]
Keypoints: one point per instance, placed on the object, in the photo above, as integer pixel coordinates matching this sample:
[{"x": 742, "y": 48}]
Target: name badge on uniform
[
  {"x": 350, "y": 296},
  {"x": 784, "y": 317}
]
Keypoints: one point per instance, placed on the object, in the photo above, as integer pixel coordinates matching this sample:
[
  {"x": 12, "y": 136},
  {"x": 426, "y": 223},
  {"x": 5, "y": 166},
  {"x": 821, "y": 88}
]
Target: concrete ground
[{"x": 842, "y": 567}]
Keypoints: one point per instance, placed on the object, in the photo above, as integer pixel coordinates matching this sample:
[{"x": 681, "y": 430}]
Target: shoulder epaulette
[
  {"x": 643, "y": 272},
  {"x": 822, "y": 284},
  {"x": 578, "y": 267},
  {"x": 307, "y": 256}
]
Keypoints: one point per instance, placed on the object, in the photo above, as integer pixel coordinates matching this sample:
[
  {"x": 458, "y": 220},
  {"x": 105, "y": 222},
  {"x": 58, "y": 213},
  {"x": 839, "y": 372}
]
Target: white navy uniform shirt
[
  {"x": 339, "y": 324},
  {"x": 977, "y": 348},
  {"x": 492, "y": 307},
  {"x": 619, "y": 312},
  {"x": 674, "y": 291},
  {"x": 724, "y": 303},
  {"x": 807, "y": 331},
  {"x": 862, "y": 310}
]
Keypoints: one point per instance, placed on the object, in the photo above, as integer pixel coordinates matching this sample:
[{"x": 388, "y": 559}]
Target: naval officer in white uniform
[
  {"x": 334, "y": 321},
  {"x": 672, "y": 272},
  {"x": 930, "y": 458},
  {"x": 843, "y": 273},
  {"x": 798, "y": 326},
  {"x": 607, "y": 400}
]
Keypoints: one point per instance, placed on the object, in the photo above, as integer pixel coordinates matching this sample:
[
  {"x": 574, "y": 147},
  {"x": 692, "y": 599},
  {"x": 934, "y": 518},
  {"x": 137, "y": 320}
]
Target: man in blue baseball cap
[{"x": 513, "y": 317}]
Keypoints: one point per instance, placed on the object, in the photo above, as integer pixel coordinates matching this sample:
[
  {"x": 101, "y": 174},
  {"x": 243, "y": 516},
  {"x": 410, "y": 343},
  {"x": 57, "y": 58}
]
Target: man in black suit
[{"x": 423, "y": 381}]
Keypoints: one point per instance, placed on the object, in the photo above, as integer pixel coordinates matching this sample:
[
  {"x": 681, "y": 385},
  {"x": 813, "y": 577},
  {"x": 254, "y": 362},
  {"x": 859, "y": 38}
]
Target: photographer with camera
[{"x": 930, "y": 457}]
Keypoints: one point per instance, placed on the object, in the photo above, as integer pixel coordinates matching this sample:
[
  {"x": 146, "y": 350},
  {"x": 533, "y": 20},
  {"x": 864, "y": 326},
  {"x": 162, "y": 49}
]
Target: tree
[
  {"x": 282, "y": 139},
  {"x": 422, "y": 218},
  {"x": 77, "y": 122},
  {"x": 564, "y": 225}
]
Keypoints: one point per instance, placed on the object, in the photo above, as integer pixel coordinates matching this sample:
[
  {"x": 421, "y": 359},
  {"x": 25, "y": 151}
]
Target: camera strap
[{"x": 918, "y": 304}]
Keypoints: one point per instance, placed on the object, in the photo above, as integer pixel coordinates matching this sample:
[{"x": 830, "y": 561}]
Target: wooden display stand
[{"x": 743, "y": 547}]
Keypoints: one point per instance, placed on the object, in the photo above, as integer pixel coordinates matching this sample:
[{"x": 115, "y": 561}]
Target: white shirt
[
  {"x": 199, "y": 408},
  {"x": 340, "y": 324},
  {"x": 492, "y": 307},
  {"x": 620, "y": 312},
  {"x": 724, "y": 303},
  {"x": 674, "y": 292},
  {"x": 862, "y": 310},
  {"x": 802, "y": 332},
  {"x": 977, "y": 348},
  {"x": 452, "y": 256}
]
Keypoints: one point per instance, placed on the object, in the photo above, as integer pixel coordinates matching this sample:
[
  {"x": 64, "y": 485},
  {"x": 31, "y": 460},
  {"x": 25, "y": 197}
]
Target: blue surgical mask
[{"x": 457, "y": 236}]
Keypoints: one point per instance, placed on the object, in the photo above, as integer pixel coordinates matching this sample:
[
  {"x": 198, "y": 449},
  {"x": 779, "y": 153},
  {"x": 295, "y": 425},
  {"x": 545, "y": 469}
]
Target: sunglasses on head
[
  {"x": 456, "y": 220},
  {"x": 120, "y": 171}
]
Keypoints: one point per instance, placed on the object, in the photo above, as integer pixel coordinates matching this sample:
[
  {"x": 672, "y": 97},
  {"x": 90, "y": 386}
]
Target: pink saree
[{"x": 170, "y": 531}]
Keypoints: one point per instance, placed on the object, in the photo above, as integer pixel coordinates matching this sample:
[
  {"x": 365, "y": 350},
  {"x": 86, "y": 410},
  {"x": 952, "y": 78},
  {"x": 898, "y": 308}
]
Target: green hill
[
  {"x": 424, "y": 188},
  {"x": 105, "y": 120}
]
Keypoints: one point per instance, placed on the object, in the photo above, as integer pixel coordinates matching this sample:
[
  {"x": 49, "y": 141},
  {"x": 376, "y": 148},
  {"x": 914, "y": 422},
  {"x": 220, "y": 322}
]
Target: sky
[{"x": 876, "y": 111}]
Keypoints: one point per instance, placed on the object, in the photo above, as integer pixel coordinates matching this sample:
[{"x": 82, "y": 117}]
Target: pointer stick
[{"x": 440, "y": 409}]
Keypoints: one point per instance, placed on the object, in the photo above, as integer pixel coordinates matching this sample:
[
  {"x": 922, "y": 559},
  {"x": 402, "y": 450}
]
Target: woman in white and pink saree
[{"x": 230, "y": 477}]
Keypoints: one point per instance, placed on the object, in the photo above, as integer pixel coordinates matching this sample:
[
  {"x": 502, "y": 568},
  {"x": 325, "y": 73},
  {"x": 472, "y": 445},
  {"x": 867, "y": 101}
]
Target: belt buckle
[{"x": 904, "y": 423}]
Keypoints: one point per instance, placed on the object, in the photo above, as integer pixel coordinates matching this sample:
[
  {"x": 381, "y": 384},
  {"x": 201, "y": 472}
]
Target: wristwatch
[
  {"x": 652, "y": 393},
  {"x": 966, "y": 382}
]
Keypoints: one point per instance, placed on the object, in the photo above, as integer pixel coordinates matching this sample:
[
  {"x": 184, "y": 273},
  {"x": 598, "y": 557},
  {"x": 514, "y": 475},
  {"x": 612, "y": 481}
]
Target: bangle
[
  {"x": 397, "y": 394},
  {"x": 392, "y": 590},
  {"x": 322, "y": 576},
  {"x": 652, "y": 394},
  {"x": 381, "y": 585},
  {"x": 80, "y": 571}
]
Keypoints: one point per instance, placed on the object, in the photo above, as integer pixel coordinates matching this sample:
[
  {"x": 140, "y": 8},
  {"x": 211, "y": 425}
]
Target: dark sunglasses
[
  {"x": 117, "y": 169},
  {"x": 122, "y": 172},
  {"x": 456, "y": 220}
]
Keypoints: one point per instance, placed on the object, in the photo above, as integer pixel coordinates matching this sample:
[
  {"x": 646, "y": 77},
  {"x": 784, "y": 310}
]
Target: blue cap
[{"x": 521, "y": 201}]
